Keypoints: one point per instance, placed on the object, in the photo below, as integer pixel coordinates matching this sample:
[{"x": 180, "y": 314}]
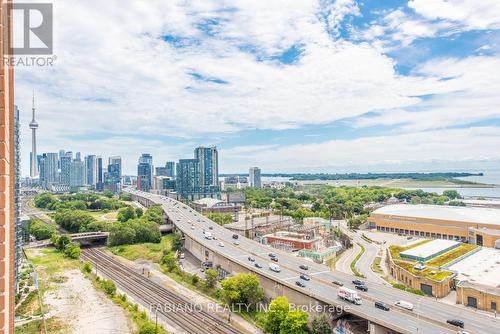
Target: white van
[
  {"x": 404, "y": 304},
  {"x": 274, "y": 267}
]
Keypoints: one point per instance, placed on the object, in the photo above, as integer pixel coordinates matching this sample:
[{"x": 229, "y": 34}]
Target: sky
[{"x": 286, "y": 85}]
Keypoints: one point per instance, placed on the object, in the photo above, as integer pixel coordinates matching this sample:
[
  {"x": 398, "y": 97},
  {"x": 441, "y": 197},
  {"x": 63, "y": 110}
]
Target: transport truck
[{"x": 349, "y": 295}]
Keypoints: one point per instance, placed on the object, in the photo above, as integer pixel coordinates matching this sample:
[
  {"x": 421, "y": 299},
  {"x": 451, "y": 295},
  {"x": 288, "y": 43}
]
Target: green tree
[
  {"x": 278, "y": 310},
  {"x": 243, "y": 289},
  {"x": 54, "y": 239},
  {"x": 145, "y": 231},
  {"x": 121, "y": 235},
  {"x": 139, "y": 212},
  {"x": 72, "y": 250},
  {"x": 321, "y": 325},
  {"x": 40, "y": 230},
  {"x": 126, "y": 197},
  {"x": 73, "y": 220},
  {"x": 169, "y": 261},
  {"x": 108, "y": 193},
  {"x": 177, "y": 241},
  {"x": 125, "y": 214},
  {"x": 452, "y": 194},
  {"x": 154, "y": 214},
  {"x": 62, "y": 241},
  {"x": 295, "y": 323},
  {"x": 46, "y": 201},
  {"x": 220, "y": 218},
  {"x": 211, "y": 278}
]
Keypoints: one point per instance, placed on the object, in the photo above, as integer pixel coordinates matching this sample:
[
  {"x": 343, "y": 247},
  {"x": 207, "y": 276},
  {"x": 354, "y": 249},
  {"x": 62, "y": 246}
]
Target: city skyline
[{"x": 326, "y": 86}]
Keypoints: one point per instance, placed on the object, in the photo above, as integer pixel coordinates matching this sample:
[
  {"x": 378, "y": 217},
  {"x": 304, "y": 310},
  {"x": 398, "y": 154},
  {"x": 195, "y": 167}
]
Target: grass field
[
  {"x": 431, "y": 273},
  {"x": 356, "y": 259},
  {"x": 54, "y": 326},
  {"x": 147, "y": 251},
  {"x": 451, "y": 255},
  {"x": 376, "y": 265},
  {"x": 108, "y": 217},
  {"x": 395, "y": 250}
]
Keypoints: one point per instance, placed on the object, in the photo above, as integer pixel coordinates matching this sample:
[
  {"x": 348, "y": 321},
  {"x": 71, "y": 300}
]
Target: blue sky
[{"x": 288, "y": 86}]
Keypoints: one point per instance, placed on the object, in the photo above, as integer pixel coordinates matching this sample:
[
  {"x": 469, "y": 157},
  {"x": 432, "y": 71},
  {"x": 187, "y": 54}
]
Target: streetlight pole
[{"x": 156, "y": 321}]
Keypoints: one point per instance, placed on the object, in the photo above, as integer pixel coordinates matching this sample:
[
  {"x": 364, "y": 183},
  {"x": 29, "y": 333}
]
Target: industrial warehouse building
[{"x": 475, "y": 225}]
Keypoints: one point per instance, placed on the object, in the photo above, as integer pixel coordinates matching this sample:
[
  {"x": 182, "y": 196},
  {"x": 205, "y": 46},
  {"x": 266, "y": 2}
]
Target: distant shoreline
[{"x": 398, "y": 183}]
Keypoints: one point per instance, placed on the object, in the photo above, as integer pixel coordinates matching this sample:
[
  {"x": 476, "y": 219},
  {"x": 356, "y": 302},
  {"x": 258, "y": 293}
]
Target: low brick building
[
  {"x": 478, "y": 296},
  {"x": 294, "y": 241}
]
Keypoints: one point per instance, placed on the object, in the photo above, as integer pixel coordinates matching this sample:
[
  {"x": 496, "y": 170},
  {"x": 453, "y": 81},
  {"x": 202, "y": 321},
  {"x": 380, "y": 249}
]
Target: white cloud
[
  {"x": 453, "y": 146},
  {"x": 117, "y": 79},
  {"x": 430, "y": 18},
  {"x": 466, "y": 91},
  {"x": 470, "y": 14}
]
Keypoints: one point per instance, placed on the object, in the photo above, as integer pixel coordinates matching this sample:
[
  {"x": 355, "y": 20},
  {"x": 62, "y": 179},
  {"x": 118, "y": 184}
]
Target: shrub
[
  {"x": 243, "y": 289},
  {"x": 72, "y": 250},
  {"x": 40, "y": 230},
  {"x": 87, "y": 267},
  {"x": 147, "y": 328},
  {"x": 169, "y": 261},
  {"x": 108, "y": 286},
  {"x": 73, "y": 220}
]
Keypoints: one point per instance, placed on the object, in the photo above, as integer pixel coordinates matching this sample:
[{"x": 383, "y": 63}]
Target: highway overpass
[{"x": 429, "y": 316}]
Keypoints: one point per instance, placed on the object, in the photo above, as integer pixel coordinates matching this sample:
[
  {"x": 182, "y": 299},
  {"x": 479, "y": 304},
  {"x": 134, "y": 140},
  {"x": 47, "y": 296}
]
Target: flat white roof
[
  {"x": 209, "y": 202},
  {"x": 430, "y": 248},
  {"x": 482, "y": 267},
  {"x": 443, "y": 212}
]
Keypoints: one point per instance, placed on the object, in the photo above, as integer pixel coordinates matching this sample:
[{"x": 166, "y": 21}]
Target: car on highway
[
  {"x": 251, "y": 259},
  {"x": 274, "y": 267},
  {"x": 361, "y": 287},
  {"x": 214, "y": 237},
  {"x": 456, "y": 322},
  {"x": 275, "y": 259},
  {"x": 358, "y": 282},
  {"x": 300, "y": 283},
  {"x": 303, "y": 267},
  {"x": 236, "y": 243},
  {"x": 271, "y": 255},
  {"x": 382, "y": 306},
  {"x": 192, "y": 227},
  {"x": 404, "y": 304},
  {"x": 338, "y": 283},
  {"x": 305, "y": 277},
  {"x": 235, "y": 236},
  {"x": 257, "y": 265},
  {"x": 210, "y": 227},
  {"x": 221, "y": 244}
]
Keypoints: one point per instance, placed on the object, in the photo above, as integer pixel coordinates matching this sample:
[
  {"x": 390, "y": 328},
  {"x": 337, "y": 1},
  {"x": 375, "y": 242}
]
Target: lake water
[{"x": 489, "y": 177}]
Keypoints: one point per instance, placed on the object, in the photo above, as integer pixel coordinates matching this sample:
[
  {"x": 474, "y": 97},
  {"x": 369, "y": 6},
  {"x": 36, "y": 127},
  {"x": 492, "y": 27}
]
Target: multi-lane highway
[{"x": 429, "y": 316}]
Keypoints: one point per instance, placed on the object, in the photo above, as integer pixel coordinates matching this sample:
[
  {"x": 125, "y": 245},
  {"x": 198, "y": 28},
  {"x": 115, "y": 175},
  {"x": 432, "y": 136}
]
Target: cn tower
[{"x": 33, "y": 127}]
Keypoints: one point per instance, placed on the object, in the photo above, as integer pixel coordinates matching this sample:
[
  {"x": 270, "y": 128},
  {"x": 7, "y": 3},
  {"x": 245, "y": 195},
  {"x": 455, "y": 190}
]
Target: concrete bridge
[
  {"x": 429, "y": 316},
  {"x": 77, "y": 237}
]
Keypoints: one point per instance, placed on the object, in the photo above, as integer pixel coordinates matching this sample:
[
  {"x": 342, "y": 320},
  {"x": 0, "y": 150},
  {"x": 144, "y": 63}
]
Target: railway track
[{"x": 175, "y": 309}]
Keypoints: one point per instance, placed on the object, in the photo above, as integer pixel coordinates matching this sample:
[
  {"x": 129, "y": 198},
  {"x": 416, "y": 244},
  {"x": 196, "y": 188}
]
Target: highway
[{"x": 429, "y": 316}]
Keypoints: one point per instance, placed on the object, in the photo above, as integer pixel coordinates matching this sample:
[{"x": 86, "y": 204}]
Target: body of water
[{"x": 489, "y": 177}]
